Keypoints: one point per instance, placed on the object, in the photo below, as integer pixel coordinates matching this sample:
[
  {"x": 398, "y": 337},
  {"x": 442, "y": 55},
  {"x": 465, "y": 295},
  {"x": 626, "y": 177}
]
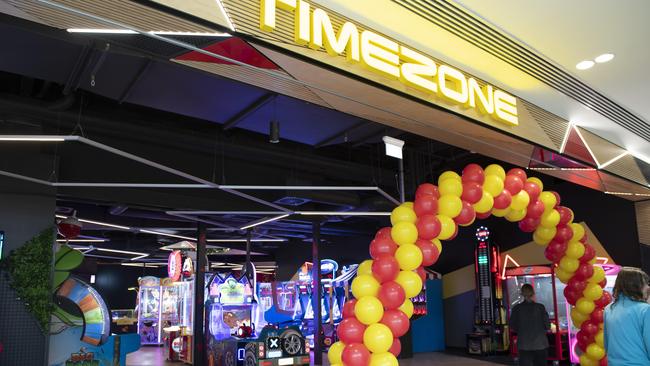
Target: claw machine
[{"x": 149, "y": 310}]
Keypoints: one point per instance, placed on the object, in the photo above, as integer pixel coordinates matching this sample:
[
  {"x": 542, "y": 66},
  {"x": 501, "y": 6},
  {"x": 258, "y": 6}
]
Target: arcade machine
[
  {"x": 549, "y": 292},
  {"x": 490, "y": 329},
  {"x": 149, "y": 310},
  {"x": 232, "y": 337}
]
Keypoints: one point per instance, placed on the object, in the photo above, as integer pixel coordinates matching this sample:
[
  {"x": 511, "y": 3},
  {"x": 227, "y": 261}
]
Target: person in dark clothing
[{"x": 530, "y": 321}]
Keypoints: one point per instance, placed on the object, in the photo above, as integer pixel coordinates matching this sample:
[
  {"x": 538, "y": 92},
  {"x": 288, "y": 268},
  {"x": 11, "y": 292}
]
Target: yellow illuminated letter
[
  {"x": 458, "y": 92},
  {"x": 302, "y": 26},
  {"x": 505, "y": 107},
  {"x": 346, "y": 40},
  {"x": 380, "y": 54},
  {"x": 267, "y": 12},
  {"x": 485, "y": 96},
  {"x": 418, "y": 70}
]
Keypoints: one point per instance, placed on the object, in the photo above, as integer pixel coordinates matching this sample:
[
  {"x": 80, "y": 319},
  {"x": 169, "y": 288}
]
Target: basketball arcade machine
[{"x": 490, "y": 328}]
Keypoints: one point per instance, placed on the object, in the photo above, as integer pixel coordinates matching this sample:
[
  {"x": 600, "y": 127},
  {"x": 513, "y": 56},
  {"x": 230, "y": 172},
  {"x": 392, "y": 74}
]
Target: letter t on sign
[{"x": 267, "y": 13}]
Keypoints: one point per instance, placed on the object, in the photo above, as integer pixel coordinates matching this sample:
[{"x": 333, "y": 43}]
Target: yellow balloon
[
  {"x": 410, "y": 282},
  {"x": 520, "y": 200},
  {"x": 496, "y": 170},
  {"x": 536, "y": 181},
  {"x": 378, "y": 338},
  {"x": 550, "y": 218},
  {"x": 334, "y": 354},
  {"x": 501, "y": 212},
  {"x": 578, "y": 231},
  {"x": 575, "y": 250},
  {"x": 365, "y": 268},
  {"x": 447, "y": 227},
  {"x": 449, "y": 174},
  {"x": 383, "y": 359},
  {"x": 408, "y": 204},
  {"x": 569, "y": 264},
  {"x": 592, "y": 292},
  {"x": 403, "y": 213},
  {"x": 548, "y": 199},
  {"x": 593, "y": 261},
  {"x": 438, "y": 245},
  {"x": 451, "y": 187},
  {"x": 595, "y": 352},
  {"x": 493, "y": 185},
  {"x": 365, "y": 285},
  {"x": 485, "y": 203},
  {"x": 599, "y": 275},
  {"x": 584, "y": 306},
  {"x": 578, "y": 318},
  {"x": 450, "y": 205},
  {"x": 562, "y": 275},
  {"x": 404, "y": 233},
  {"x": 516, "y": 215},
  {"x": 586, "y": 361},
  {"x": 546, "y": 232},
  {"x": 600, "y": 338},
  {"x": 407, "y": 308},
  {"x": 369, "y": 310},
  {"x": 409, "y": 257}
]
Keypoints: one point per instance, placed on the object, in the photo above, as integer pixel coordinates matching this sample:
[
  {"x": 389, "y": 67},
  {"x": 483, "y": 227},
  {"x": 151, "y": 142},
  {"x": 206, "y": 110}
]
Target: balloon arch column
[{"x": 374, "y": 321}]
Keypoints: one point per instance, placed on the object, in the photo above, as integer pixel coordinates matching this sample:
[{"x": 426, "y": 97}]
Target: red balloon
[
  {"x": 472, "y": 192},
  {"x": 604, "y": 300},
  {"x": 383, "y": 245},
  {"x": 467, "y": 214},
  {"x": 603, "y": 361},
  {"x": 577, "y": 285},
  {"x": 533, "y": 190},
  {"x": 428, "y": 227},
  {"x": 422, "y": 273},
  {"x": 429, "y": 251},
  {"x": 397, "y": 321},
  {"x": 584, "y": 272},
  {"x": 558, "y": 200},
  {"x": 563, "y": 234},
  {"x": 571, "y": 296},
  {"x": 355, "y": 354},
  {"x": 348, "y": 308},
  {"x": 565, "y": 215},
  {"x": 453, "y": 236},
  {"x": 427, "y": 189},
  {"x": 425, "y": 205},
  {"x": 597, "y": 316},
  {"x": 350, "y": 330},
  {"x": 590, "y": 253},
  {"x": 535, "y": 209},
  {"x": 384, "y": 232},
  {"x": 391, "y": 295},
  {"x": 584, "y": 238},
  {"x": 590, "y": 329},
  {"x": 551, "y": 255},
  {"x": 385, "y": 268},
  {"x": 584, "y": 339},
  {"x": 528, "y": 225},
  {"x": 518, "y": 172},
  {"x": 603, "y": 283},
  {"x": 503, "y": 200},
  {"x": 513, "y": 184},
  {"x": 473, "y": 173},
  {"x": 483, "y": 215},
  {"x": 396, "y": 347},
  {"x": 558, "y": 247}
]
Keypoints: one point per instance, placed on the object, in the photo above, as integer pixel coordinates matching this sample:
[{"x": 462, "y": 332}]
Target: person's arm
[{"x": 545, "y": 319}]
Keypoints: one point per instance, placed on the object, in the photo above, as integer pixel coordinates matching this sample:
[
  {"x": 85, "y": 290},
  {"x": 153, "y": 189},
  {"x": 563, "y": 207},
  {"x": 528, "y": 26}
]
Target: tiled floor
[{"x": 148, "y": 356}]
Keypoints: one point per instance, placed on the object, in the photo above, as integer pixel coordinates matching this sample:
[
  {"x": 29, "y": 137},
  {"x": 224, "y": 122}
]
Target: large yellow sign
[{"x": 391, "y": 59}]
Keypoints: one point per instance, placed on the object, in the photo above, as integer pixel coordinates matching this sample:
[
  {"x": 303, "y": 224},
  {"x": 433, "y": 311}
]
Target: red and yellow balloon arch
[{"x": 379, "y": 314}]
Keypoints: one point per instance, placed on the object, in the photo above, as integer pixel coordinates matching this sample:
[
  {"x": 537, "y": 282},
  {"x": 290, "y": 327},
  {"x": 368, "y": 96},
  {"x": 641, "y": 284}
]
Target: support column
[
  {"x": 316, "y": 292},
  {"x": 199, "y": 300}
]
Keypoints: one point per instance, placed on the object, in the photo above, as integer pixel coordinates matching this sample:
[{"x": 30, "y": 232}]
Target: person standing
[
  {"x": 531, "y": 323},
  {"x": 627, "y": 320}
]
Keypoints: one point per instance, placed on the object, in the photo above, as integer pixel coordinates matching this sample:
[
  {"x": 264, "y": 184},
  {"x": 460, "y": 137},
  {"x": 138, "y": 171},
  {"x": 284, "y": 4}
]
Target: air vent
[{"x": 474, "y": 30}]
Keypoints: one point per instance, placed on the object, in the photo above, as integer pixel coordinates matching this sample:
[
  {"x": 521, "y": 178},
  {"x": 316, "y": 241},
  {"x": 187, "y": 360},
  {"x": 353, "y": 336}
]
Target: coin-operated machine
[{"x": 490, "y": 327}]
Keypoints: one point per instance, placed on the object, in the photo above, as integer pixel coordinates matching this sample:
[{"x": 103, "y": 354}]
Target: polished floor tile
[{"x": 149, "y": 356}]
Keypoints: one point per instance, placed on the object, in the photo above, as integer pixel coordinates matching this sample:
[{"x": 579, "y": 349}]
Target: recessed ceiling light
[
  {"x": 584, "y": 65},
  {"x": 604, "y": 58}
]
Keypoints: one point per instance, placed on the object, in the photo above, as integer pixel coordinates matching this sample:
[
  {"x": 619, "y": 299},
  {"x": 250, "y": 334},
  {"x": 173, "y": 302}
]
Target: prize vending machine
[
  {"x": 549, "y": 291},
  {"x": 149, "y": 310},
  {"x": 490, "y": 328}
]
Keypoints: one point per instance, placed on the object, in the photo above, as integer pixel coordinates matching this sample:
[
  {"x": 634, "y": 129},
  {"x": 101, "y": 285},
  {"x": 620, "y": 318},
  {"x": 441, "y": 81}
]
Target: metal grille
[{"x": 472, "y": 29}]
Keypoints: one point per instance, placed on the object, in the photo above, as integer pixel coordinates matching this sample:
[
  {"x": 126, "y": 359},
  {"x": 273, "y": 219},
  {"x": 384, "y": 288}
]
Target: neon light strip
[
  {"x": 263, "y": 221},
  {"x": 81, "y": 240},
  {"x": 587, "y": 146},
  {"x": 613, "y": 160},
  {"x": 505, "y": 264}
]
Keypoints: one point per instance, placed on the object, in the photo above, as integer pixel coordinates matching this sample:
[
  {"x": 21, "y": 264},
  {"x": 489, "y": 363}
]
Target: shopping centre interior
[{"x": 177, "y": 168}]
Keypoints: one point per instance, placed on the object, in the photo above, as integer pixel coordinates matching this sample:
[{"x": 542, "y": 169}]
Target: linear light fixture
[
  {"x": 505, "y": 264},
  {"x": 31, "y": 139},
  {"x": 166, "y": 234},
  {"x": 160, "y": 33},
  {"x": 566, "y": 136},
  {"x": 264, "y": 221},
  {"x": 339, "y": 213},
  {"x": 96, "y": 223},
  {"x": 81, "y": 240},
  {"x": 146, "y": 265},
  {"x": 239, "y": 240},
  {"x": 138, "y": 255},
  {"x": 616, "y": 158},
  {"x": 587, "y": 146},
  {"x": 620, "y": 193}
]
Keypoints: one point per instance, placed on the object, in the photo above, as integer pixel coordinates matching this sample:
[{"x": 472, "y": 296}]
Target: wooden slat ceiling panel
[
  {"x": 602, "y": 149},
  {"x": 627, "y": 167},
  {"x": 643, "y": 221}
]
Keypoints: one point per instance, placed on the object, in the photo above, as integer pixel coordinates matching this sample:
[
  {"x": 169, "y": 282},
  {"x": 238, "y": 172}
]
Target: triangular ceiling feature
[
  {"x": 577, "y": 148},
  {"x": 233, "y": 48}
]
